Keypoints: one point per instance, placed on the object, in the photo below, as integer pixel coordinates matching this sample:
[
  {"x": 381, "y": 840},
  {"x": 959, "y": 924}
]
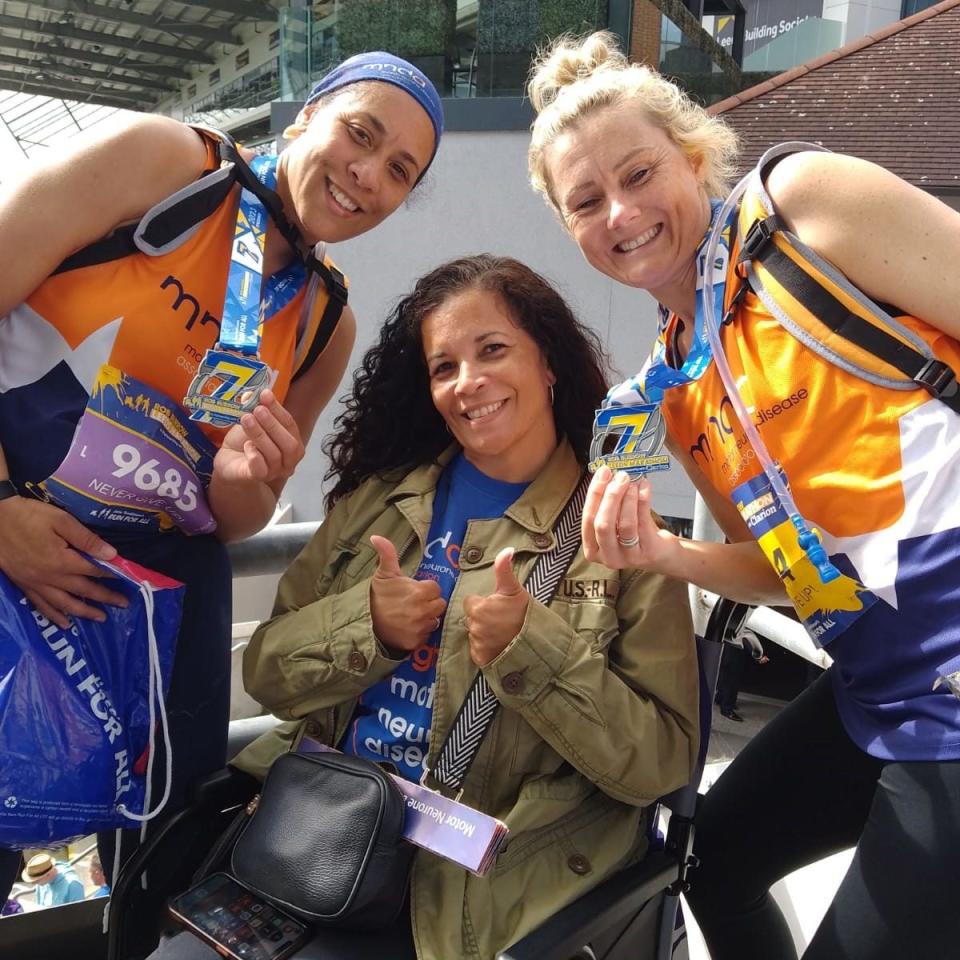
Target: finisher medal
[{"x": 629, "y": 437}]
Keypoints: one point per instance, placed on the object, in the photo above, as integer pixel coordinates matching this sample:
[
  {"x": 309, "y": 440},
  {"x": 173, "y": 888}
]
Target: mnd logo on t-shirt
[{"x": 392, "y": 719}]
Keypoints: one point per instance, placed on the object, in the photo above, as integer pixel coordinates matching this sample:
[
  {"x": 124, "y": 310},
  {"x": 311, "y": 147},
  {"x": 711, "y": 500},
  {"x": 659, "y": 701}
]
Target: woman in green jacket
[{"x": 466, "y": 434}]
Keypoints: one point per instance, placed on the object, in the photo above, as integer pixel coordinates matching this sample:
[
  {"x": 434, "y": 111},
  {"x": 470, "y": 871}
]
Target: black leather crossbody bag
[
  {"x": 324, "y": 837},
  {"x": 325, "y": 840}
]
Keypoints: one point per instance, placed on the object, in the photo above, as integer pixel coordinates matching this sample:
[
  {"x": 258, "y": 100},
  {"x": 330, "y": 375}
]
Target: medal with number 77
[{"x": 629, "y": 437}]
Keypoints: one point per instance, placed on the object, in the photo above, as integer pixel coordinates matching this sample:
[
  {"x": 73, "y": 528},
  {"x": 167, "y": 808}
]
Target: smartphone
[{"x": 238, "y": 923}]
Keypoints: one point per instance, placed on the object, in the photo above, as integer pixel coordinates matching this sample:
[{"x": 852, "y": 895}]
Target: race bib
[{"x": 136, "y": 462}]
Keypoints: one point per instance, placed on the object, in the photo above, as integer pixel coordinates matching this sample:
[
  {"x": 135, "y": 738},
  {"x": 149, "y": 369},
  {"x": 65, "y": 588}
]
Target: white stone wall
[
  {"x": 477, "y": 200},
  {"x": 861, "y": 18}
]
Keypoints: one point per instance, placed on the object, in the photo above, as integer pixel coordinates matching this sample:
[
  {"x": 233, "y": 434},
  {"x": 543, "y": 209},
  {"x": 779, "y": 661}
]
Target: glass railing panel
[
  {"x": 295, "y": 39},
  {"x": 468, "y": 48}
]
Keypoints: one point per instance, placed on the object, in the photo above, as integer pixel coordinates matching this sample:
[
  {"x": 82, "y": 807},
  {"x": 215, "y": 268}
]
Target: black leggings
[{"x": 802, "y": 790}]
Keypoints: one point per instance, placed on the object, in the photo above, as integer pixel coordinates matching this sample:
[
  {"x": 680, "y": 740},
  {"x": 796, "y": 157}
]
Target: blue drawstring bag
[{"x": 81, "y": 710}]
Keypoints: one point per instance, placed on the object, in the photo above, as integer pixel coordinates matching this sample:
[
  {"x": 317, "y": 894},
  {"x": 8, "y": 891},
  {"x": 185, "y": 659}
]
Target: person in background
[
  {"x": 98, "y": 878},
  {"x": 56, "y": 882},
  {"x": 732, "y": 666},
  {"x": 114, "y": 281},
  {"x": 869, "y": 755}
]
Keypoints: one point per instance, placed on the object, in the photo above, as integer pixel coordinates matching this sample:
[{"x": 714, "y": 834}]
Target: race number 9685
[{"x": 147, "y": 477}]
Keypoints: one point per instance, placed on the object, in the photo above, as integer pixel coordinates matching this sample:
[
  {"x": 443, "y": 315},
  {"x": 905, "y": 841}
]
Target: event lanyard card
[
  {"x": 629, "y": 437},
  {"x": 441, "y": 825}
]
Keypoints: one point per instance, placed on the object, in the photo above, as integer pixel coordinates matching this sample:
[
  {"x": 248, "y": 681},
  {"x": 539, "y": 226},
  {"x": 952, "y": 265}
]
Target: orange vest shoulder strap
[{"x": 818, "y": 305}]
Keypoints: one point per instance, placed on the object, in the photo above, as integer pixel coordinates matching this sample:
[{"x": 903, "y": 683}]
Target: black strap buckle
[
  {"x": 730, "y": 315},
  {"x": 937, "y": 379},
  {"x": 757, "y": 238},
  {"x": 332, "y": 278},
  {"x": 679, "y": 843}
]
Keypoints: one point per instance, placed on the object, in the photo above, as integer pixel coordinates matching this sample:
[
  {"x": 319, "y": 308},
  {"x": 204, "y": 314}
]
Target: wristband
[{"x": 7, "y": 489}]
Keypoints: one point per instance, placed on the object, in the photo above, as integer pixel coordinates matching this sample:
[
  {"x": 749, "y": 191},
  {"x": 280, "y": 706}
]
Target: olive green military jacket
[{"x": 598, "y": 698}]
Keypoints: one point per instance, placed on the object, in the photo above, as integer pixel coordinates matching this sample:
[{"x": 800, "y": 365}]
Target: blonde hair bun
[
  {"x": 575, "y": 76},
  {"x": 570, "y": 59}
]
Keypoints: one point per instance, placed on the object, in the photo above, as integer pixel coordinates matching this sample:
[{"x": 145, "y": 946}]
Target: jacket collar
[{"x": 537, "y": 509}]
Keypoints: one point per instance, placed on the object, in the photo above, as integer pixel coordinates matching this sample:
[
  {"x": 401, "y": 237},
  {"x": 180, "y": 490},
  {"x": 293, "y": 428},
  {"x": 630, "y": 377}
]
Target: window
[
  {"x": 243, "y": 59},
  {"x": 214, "y": 77}
]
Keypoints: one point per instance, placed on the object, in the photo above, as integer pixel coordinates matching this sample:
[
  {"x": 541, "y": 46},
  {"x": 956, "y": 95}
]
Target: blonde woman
[{"x": 868, "y": 756}]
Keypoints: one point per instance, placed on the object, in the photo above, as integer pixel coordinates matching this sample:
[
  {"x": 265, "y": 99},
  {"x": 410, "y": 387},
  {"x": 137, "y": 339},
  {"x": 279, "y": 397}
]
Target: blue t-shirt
[
  {"x": 392, "y": 719},
  {"x": 65, "y": 887}
]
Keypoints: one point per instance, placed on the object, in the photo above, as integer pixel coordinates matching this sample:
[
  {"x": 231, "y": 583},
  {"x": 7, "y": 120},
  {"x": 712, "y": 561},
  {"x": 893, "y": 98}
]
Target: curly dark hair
[{"x": 390, "y": 424}]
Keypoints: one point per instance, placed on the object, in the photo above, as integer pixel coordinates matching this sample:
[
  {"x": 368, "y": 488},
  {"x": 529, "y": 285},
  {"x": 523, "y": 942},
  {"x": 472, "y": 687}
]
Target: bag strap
[
  {"x": 799, "y": 274},
  {"x": 332, "y": 311},
  {"x": 192, "y": 206},
  {"x": 334, "y": 282},
  {"x": 480, "y": 706}
]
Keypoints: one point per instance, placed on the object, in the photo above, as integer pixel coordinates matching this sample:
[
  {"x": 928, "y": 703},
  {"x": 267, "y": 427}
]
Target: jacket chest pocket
[
  {"x": 596, "y": 624},
  {"x": 594, "y": 617},
  {"x": 343, "y": 567}
]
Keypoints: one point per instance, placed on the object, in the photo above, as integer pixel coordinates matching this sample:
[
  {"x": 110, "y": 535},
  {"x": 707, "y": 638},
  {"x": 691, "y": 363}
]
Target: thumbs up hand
[
  {"x": 492, "y": 622},
  {"x": 404, "y": 611}
]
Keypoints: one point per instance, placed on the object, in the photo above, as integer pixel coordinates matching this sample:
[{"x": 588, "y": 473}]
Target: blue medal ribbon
[
  {"x": 231, "y": 376},
  {"x": 631, "y": 409},
  {"x": 244, "y": 310}
]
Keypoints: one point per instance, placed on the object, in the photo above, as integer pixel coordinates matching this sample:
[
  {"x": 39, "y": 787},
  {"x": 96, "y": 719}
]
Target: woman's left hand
[
  {"x": 619, "y": 530},
  {"x": 265, "y": 445},
  {"x": 492, "y": 622}
]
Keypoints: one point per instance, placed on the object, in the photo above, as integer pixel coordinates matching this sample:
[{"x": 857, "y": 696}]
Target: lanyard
[
  {"x": 628, "y": 430},
  {"x": 231, "y": 375},
  {"x": 826, "y": 600},
  {"x": 658, "y": 375},
  {"x": 244, "y": 310}
]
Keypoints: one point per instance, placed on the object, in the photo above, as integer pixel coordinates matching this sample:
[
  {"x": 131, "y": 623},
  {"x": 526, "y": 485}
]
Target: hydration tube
[{"x": 809, "y": 540}]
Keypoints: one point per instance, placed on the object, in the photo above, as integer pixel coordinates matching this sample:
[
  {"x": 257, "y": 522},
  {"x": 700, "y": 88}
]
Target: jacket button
[
  {"x": 513, "y": 682},
  {"x": 312, "y": 729},
  {"x": 357, "y": 662},
  {"x": 473, "y": 554},
  {"x": 579, "y": 864},
  {"x": 542, "y": 540}
]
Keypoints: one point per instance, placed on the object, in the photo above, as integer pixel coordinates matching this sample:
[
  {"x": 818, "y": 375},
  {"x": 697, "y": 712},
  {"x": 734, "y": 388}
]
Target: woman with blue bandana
[{"x": 159, "y": 273}]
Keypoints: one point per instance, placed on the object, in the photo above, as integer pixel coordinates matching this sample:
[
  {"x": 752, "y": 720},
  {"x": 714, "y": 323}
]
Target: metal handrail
[{"x": 271, "y": 550}]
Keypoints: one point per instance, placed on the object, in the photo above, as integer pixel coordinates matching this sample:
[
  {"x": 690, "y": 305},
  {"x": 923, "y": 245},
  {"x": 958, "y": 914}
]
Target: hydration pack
[{"x": 819, "y": 306}]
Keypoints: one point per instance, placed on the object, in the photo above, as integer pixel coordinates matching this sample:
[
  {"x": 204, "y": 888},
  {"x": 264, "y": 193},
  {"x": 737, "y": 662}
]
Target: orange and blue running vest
[
  {"x": 147, "y": 302},
  {"x": 876, "y": 471}
]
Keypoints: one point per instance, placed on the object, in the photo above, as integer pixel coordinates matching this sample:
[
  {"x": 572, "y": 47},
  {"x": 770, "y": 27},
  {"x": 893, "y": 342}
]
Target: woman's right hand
[
  {"x": 618, "y": 526},
  {"x": 405, "y": 611},
  {"x": 39, "y": 546}
]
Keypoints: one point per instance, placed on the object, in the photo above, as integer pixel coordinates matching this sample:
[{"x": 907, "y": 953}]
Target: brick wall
[{"x": 645, "y": 33}]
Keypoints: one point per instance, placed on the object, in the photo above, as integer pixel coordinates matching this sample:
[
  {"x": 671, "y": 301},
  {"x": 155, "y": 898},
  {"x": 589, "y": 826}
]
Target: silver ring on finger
[
  {"x": 629, "y": 542},
  {"x": 436, "y": 625}
]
